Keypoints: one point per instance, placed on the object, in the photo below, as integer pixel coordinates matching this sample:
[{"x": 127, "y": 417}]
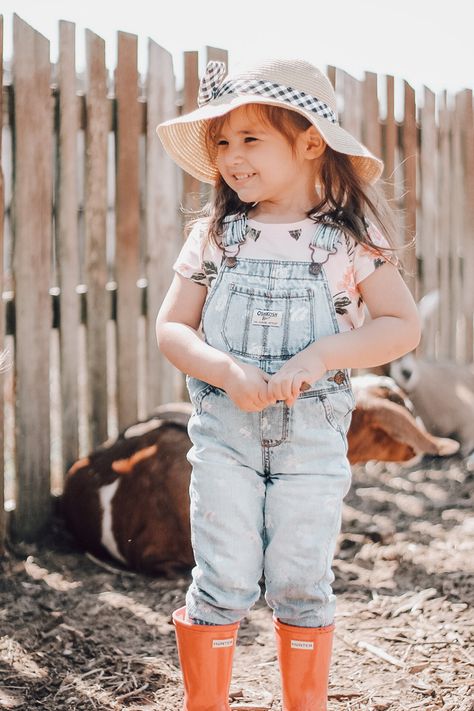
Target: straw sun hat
[{"x": 292, "y": 84}]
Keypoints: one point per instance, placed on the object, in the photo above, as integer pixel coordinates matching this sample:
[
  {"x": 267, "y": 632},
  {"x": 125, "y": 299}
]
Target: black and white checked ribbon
[
  {"x": 211, "y": 81},
  {"x": 211, "y": 87}
]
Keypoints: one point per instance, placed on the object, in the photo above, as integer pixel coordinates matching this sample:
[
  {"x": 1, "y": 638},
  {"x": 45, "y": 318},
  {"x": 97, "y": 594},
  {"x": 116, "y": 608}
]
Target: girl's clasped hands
[{"x": 252, "y": 389}]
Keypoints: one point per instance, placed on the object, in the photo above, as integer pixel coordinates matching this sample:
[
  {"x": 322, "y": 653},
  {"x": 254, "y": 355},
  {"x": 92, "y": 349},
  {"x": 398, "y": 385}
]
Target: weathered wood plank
[
  {"x": 410, "y": 151},
  {"x": 217, "y": 54},
  {"x": 163, "y": 222},
  {"x": 127, "y": 210},
  {"x": 67, "y": 245},
  {"x": 456, "y": 231},
  {"x": 32, "y": 207},
  {"x": 428, "y": 230},
  {"x": 468, "y": 220},
  {"x": 2, "y": 317},
  {"x": 390, "y": 140},
  {"x": 331, "y": 73},
  {"x": 444, "y": 221},
  {"x": 353, "y": 111},
  {"x": 191, "y": 195},
  {"x": 213, "y": 54},
  {"x": 95, "y": 213},
  {"x": 372, "y": 129}
]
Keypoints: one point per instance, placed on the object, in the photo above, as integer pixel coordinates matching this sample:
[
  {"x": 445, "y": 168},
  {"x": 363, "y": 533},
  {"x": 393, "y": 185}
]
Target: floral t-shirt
[{"x": 345, "y": 269}]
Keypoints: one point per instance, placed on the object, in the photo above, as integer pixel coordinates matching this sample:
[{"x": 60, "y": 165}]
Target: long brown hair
[{"x": 345, "y": 199}]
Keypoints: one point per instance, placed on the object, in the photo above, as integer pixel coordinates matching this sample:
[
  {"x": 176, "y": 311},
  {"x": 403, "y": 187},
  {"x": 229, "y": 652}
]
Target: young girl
[{"x": 277, "y": 274}]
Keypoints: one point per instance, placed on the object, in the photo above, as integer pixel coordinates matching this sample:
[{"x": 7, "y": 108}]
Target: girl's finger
[
  {"x": 295, "y": 385},
  {"x": 287, "y": 390},
  {"x": 268, "y": 399},
  {"x": 273, "y": 391}
]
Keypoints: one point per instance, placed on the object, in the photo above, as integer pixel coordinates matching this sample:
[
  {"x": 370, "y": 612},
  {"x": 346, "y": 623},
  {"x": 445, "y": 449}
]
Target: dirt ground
[{"x": 75, "y": 635}]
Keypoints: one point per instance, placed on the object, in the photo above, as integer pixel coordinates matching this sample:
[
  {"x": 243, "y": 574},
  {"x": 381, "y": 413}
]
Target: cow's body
[{"x": 131, "y": 498}]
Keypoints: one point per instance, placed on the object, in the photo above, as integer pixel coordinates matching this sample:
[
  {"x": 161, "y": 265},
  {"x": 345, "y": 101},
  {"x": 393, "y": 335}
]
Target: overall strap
[
  {"x": 326, "y": 236},
  {"x": 235, "y": 229}
]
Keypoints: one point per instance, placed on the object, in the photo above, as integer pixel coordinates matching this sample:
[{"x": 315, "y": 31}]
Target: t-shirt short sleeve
[
  {"x": 367, "y": 260},
  {"x": 197, "y": 260}
]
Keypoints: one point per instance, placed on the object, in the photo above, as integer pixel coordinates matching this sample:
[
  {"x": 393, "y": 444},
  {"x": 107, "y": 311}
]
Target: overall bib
[{"x": 267, "y": 487}]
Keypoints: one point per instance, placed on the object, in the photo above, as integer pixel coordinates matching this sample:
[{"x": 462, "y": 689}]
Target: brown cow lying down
[
  {"x": 130, "y": 498},
  {"x": 385, "y": 427}
]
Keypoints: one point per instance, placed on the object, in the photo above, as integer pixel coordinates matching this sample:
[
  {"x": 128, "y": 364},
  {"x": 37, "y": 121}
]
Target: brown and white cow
[{"x": 130, "y": 498}]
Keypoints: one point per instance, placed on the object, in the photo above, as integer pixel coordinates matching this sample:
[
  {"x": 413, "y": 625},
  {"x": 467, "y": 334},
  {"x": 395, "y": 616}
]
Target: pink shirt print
[{"x": 345, "y": 270}]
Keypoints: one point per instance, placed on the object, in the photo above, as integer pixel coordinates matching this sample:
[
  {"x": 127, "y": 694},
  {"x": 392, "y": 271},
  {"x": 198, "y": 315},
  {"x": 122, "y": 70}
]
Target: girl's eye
[{"x": 247, "y": 139}]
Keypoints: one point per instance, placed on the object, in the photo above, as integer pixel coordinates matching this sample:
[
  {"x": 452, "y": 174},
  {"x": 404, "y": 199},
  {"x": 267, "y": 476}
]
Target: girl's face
[{"x": 258, "y": 162}]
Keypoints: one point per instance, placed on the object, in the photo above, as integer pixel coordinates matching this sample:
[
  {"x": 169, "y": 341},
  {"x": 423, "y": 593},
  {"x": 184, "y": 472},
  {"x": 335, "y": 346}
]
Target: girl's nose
[{"x": 234, "y": 156}]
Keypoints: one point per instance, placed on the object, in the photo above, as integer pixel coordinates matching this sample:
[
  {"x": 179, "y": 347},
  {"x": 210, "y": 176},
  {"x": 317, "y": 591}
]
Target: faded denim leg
[
  {"x": 303, "y": 519},
  {"x": 227, "y": 502}
]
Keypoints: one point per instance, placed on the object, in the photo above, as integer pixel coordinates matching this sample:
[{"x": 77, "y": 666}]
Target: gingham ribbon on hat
[
  {"x": 211, "y": 81},
  {"x": 211, "y": 87}
]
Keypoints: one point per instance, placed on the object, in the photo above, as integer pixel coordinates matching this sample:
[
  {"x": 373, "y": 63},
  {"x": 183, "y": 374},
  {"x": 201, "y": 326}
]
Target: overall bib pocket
[{"x": 261, "y": 323}]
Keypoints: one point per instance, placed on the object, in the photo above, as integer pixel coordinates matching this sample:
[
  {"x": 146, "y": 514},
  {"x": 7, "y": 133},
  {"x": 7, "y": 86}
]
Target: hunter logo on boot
[
  {"x": 297, "y": 644},
  {"x": 222, "y": 643}
]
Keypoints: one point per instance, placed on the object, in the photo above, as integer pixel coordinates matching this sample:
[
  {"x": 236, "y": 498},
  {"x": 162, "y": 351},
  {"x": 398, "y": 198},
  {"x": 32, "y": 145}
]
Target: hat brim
[{"x": 183, "y": 138}]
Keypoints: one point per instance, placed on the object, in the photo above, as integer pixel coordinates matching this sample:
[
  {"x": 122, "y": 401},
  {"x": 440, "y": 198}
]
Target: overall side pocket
[
  {"x": 198, "y": 390},
  {"x": 338, "y": 409}
]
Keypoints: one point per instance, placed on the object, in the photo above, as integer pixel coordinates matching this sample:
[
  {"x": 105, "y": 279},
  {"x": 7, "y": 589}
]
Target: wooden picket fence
[{"x": 91, "y": 221}]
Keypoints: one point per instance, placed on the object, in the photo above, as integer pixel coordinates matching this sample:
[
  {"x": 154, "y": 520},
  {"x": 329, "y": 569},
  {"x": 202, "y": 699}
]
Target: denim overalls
[{"x": 267, "y": 487}]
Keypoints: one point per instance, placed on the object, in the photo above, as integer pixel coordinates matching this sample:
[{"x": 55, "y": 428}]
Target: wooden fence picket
[
  {"x": 191, "y": 188},
  {"x": 428, "y": 238},
  {"x": 468, "y": 220},
  {"x": 371, "y": 133},
  {"x": 2, "y": 313},
  {"x": 32, "y": 255},
  {"x": 67, "y": 242},
  {"x": 409, "y": 139},
  {"x": 456, "y": 187},
  {"x": 95, "y": 214},
  {"x": 446, "y": 346},
  {"x": 390, "y": 142},
  {"x": 127, "y": 244},
  {"x": 217, "y": 54},
  {"x": 163, "y": 231},
  {"x": 352, "y": 113}
]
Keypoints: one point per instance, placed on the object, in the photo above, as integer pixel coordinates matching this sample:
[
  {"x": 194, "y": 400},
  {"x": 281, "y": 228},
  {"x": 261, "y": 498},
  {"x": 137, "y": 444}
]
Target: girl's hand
[
  {"x": 287, "y": 383},
  {"x": 247, "y": 387}
]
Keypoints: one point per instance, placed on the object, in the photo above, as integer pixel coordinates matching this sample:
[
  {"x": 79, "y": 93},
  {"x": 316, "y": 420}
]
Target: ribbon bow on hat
[{"x": 210, "y": 82}]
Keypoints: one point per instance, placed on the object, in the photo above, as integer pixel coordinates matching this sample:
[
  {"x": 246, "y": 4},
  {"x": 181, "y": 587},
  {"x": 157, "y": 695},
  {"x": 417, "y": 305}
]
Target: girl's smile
[{"x": 243, "y": 178}]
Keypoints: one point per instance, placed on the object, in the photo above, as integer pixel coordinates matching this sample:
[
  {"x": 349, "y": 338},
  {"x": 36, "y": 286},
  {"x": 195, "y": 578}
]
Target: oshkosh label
[
  {"x": 261, "y": 317},
  {"x": 296, "y": 644},
  {"x": 223, "y": 642}
]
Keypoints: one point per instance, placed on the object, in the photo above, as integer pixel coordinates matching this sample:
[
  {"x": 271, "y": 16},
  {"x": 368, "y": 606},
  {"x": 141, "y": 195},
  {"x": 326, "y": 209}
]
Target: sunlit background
[{"x": 427, "y": 42}]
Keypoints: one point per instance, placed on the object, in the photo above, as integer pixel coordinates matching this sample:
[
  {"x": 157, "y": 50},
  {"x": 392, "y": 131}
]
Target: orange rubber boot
[
  {"x": 205, "y": 655},
  {"x": 304, "y": 655}
]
